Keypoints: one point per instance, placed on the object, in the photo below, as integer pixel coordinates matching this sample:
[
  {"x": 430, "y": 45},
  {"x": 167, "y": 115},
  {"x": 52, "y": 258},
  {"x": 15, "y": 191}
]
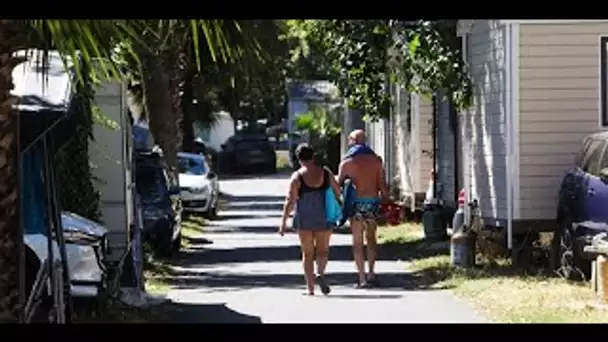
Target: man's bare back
[{"x": 367, "y": 174}]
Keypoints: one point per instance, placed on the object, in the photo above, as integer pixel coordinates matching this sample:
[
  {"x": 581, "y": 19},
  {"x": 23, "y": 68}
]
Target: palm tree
[
  {"x": 68, "y": 37},
  {"x": 167, "y": 58},
  {"x": 89, "y": 40}
]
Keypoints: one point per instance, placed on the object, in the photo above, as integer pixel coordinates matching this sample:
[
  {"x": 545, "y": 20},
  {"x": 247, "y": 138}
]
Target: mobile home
[
  {"x": 111, "y": 153},
  {"x": 404, "y": 140},
  {"x": 539, "y": 88}
]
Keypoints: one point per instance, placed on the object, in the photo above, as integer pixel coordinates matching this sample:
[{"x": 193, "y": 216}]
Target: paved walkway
[{"x": 249, "y": 274}]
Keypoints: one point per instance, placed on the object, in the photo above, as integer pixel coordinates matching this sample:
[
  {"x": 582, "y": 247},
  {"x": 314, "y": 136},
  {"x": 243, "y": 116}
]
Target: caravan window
[
  {"x": 151, "y": 184},
  {"x": 604, "y": 81},
  {"x": 593, "y": 155}
]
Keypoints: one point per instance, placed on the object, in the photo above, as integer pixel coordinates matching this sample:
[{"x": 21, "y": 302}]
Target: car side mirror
[
  {"x": 211, "y": 175},
  {"x": 223, "y": 146},
  {"x": 604, "y": 175}
]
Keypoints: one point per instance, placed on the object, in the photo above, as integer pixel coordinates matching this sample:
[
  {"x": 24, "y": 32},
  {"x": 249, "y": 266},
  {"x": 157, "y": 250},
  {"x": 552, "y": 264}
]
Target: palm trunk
[
  {"x": 187, "y": 110},
  {"x": 162, "y": 106},
  {"x": 11, "y": 238}
]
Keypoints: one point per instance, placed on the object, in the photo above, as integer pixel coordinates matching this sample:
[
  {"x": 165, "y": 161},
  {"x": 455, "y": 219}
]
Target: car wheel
[
  {"x": 566, "y": 260},
  {"x": 177, "y": 243},
  {"x": 163, "y": 246},
  {"x": 272, "y": 168}
]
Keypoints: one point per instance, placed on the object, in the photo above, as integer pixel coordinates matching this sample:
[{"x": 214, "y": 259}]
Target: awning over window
[{"x": 44, "y": 97}]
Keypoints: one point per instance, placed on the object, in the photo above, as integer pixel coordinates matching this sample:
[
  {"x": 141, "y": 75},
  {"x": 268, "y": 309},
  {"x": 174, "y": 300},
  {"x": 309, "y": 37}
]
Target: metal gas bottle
[
  {"x": 601, "y": 265},
  {"x": 458, "y": 219},
  {"x": 462, "y": 250}
]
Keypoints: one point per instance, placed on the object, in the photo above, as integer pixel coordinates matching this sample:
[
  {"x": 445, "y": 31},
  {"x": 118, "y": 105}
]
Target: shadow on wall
[
  {"x": 403, "y": 145},
  {"x": 489, "y": 122}
]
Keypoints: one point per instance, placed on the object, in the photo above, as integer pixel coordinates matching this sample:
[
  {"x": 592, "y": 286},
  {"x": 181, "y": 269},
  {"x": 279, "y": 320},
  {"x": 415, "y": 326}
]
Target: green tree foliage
[
  {"x": 254, "y": 85},
  {"x": 323, "y": 124},
  {"x": 77, "y": 192},
  {"x": 326, "y": 123},
  {"x": 202, "y": 78},
  {"x": 363, "y": 56}
]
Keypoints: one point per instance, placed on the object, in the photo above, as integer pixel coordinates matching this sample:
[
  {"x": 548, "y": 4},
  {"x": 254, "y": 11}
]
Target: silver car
[{"x": 199, "y": 185}]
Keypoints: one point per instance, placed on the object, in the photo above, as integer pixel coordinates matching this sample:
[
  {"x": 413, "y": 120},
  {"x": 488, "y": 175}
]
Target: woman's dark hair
[{"x": 305, "y": 152}]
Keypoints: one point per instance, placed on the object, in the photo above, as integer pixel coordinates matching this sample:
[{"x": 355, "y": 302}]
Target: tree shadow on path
[
  {"x": 174, "y": 312},
  {"x": 87, "y": 311},
  {"x": 201, "y": 269},
  {"x": 199, "y": 254}
]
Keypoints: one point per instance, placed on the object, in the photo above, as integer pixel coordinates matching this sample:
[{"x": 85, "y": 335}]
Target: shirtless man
[{"x": 367, "y": 175}]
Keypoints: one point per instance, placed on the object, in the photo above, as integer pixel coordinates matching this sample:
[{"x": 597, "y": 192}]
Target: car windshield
[
  {"x": 150, "y": 184},
  {"x": 192, "y": 166},
  {"x": 252, "y": 144}
]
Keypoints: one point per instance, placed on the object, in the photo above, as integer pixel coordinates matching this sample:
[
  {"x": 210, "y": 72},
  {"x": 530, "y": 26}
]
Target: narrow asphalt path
[{"x": 249, "y": 274}]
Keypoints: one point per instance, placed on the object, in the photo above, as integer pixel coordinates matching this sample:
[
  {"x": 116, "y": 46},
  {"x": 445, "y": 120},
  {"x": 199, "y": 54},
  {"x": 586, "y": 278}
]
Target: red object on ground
[
  {"x": 392, "y": 213},
  {"x": 461, "y": 197}
]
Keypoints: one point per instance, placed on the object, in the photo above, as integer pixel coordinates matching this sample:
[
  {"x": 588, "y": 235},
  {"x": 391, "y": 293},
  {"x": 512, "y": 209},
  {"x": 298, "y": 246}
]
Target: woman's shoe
[{"x": 325, "y": 289}]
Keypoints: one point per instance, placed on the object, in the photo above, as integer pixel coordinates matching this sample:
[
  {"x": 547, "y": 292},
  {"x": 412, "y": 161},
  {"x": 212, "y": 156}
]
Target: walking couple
[{"x": 361, "y": 174}]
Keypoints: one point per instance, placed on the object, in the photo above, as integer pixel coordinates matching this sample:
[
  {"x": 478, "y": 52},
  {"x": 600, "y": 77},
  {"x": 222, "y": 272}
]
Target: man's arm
[{"x": 382, "y": 185}]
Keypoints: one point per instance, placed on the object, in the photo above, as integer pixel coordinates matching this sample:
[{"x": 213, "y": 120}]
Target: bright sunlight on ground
[{"x": 498, "y": 291}]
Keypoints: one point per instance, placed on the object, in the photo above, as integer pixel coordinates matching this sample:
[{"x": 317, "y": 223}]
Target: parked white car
[
  {"x": 86, "y": 244},
  {"x": 86, "y": 247},
  {"x": 199, "y": 185}
]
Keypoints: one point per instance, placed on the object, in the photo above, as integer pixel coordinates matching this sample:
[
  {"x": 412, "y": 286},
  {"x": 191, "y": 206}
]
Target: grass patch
[
  {"x": 283, "y": 160},
  {"x": 193, "y": 227},
  {"x": 157, "y": 271},
  {"x": 498, "y": 290},
  {"x": 403, "y": 233}
]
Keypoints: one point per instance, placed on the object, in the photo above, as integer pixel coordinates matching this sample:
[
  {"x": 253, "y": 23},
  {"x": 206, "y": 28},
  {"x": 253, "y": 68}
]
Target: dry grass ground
[
  {"x": 282, "y": 160},
  {"x": 500, "y": 292}
]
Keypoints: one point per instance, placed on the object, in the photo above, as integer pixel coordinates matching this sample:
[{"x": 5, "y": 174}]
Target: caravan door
[{"x": 111, "y": 157}]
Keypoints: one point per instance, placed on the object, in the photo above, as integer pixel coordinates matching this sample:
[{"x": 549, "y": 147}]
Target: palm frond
[{"x": 84, "y": 41}]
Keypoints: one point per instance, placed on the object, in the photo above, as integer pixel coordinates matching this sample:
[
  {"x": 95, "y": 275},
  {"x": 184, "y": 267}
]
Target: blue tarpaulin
[{"x": 33, "y": 191}]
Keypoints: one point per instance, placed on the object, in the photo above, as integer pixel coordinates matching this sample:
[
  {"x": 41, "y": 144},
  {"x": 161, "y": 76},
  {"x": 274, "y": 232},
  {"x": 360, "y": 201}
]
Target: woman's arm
[
  {"x": 341, "y": 172},
  {"x": 334, "y": 185},
  {"x": 292, "y": 197}
]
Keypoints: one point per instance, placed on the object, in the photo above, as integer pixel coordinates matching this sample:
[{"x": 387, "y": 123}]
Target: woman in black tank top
[{"x": 307, "y": 191}]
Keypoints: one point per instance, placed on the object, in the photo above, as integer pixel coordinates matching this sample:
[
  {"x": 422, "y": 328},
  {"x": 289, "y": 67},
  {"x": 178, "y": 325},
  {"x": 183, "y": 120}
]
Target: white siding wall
[
  {"x": 404, "y": 147},
  {"x": 425, "y": 136},
  {"x": 486, "y": 120},
  {"x": 375, "y": 137},
  {"x": 446, "y": 147},
  {"x": 111, "y": 167},
  {"x": 559, "y": 105}
]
